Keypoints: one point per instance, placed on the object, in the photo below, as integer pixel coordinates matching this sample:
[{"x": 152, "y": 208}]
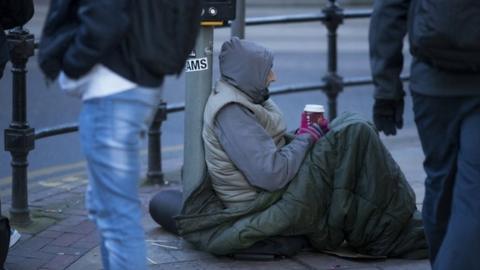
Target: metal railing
[{"x": 20, "y": 137}]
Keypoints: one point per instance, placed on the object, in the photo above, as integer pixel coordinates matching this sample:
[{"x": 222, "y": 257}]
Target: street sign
[{"x": 196, "y": 64}]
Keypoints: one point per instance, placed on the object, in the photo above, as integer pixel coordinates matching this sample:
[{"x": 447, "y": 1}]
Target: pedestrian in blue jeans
[
  {"x": 84, "y": 45},
  {"x": 111, "y": 132},
  {"x": 445, "y": 86}
]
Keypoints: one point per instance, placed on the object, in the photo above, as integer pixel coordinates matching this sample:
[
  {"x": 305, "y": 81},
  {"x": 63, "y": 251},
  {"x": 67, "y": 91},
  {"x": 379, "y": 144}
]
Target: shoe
[{"x": 14, "y": 237}]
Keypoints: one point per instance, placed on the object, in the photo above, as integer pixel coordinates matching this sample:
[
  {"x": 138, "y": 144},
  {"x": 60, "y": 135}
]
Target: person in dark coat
[
  {"x": 445, "y": 88},
  {"x": 85, "y": 46}
]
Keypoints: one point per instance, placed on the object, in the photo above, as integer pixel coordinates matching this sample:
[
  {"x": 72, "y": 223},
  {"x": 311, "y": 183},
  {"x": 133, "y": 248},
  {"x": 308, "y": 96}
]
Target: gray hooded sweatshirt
[{"x": 246, "y": 65}]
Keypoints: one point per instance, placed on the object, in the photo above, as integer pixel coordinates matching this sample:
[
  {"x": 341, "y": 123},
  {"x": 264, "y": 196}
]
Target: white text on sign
[{"x": 196, "y": 64}]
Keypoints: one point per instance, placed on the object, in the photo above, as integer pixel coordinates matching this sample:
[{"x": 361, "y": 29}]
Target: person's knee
[
  {"x": 366, "y": 126},
  {"x": 361, "y": 129},
  {"x": 164, "y": 206}
]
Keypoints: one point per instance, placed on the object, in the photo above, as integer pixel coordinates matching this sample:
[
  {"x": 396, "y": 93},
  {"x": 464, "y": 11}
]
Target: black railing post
[
  {"x": 334, "y": 82},
  {"x": 19, "y": 137},
  {"x": 155, "y": 174}
]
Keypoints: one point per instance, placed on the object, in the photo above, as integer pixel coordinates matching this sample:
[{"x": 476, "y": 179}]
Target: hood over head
[{"x": 246, "y": 65}]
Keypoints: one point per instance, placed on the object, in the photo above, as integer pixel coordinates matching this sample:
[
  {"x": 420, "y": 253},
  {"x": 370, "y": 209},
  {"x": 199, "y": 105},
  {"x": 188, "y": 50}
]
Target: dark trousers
[{"x": 449, "y": 129}]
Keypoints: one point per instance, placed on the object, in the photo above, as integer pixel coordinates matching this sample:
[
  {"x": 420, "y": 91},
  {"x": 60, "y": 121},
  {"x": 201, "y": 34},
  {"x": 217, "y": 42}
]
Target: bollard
[
  {"x": 334, "y": 82},
  {"x": 19, "y": 137},
  {"x": 154, "y": 173},
  {"x": 238, "y": 25}
]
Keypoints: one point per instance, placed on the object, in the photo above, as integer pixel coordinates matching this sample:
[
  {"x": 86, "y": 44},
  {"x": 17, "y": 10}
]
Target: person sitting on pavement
[{"x": 333, "y": 188}]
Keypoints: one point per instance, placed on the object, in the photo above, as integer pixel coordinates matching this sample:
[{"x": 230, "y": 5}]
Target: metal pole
[
  {"x": 19, "y": 137},
  {"x": 198, "y": 88},
  {"x": 155, "y": 174},
  {"x": 334, "y": 17},
  {"x": 238, "y": 25}
]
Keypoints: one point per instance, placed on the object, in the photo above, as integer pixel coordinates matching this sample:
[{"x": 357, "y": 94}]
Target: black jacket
[
  {"x": 79, "y": 34},
  {"x": 388, "y": 28},
  {"x": 12, "y": 13}
]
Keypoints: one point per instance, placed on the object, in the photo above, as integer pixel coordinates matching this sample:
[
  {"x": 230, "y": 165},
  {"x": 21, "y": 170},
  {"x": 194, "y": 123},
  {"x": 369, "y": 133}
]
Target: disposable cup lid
[{"x": 314, "y": 108}]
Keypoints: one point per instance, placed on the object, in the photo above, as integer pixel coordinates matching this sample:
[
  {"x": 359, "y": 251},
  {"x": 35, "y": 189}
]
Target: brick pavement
[
  {"x": 61, "y": 236},
  {"x": 60, "y": 233}
]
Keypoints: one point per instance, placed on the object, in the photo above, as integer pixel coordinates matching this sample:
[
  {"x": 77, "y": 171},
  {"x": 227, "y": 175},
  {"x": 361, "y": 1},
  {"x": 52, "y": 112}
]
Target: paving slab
[
  {"x": 404, "y": 265},
  {"x": 325, "y": 262}
]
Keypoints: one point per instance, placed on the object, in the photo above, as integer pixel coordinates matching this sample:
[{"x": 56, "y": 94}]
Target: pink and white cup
[{"x": 313, "y": 114}]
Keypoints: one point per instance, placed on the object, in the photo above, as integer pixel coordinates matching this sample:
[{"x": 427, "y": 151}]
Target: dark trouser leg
[
  {"x": 435, "y": 128},
  {"x": 461, "y": 245},
  {"x": 439, "y": 121}
]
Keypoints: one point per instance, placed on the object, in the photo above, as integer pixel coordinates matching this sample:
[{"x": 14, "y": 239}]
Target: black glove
[{"x": 388, "y": 115}]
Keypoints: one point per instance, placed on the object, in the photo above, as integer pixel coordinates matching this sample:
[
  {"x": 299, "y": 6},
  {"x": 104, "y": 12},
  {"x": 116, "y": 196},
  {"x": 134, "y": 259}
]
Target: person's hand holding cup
[
  {"x": 314, "y": 114},
  {"x": 313, "y": 121}
]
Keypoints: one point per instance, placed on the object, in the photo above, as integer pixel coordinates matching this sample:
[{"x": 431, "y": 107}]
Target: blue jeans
[
  {"x": 111, "y": 133},
  {"x": 449, "y": 129}
]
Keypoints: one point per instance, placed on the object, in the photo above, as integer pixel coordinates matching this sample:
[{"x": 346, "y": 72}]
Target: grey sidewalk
[{"x": 63, "y": 238}]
